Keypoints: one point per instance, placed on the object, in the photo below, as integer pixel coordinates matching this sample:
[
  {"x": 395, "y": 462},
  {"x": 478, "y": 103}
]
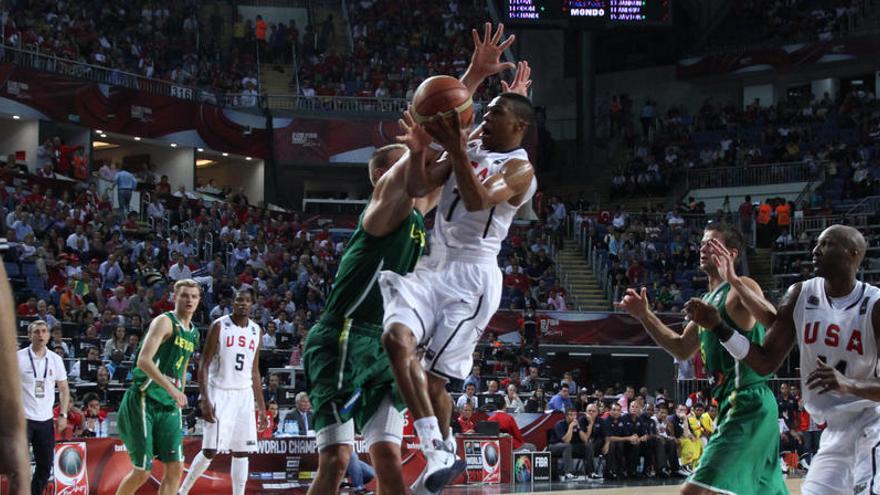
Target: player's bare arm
[
  {"x": 257, "y": 384},
  {"x": 14, "y": 457},
  {"x": 160, "y": 330},
  {"x": 778, "y": 341},
  {"x": 748, "y": 294},
  {"x": 827, "y": 379},
  {"x": 486, "y": 59},
  {"x": 681, "y": 345},
  {"x": 208, "y": 354}
]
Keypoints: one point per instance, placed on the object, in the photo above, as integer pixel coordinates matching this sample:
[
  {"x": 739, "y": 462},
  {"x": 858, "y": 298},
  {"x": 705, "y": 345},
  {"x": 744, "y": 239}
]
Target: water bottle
[{"x": 294, "y": 428}]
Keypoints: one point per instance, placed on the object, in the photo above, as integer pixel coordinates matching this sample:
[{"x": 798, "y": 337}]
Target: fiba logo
[{"x": 523, "y": 469}]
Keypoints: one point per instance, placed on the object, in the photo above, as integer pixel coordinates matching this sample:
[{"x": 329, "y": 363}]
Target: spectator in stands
[
  {"x": 531, "y": 382},
  {"x": 119, "y": 342},
  {"x": 537, "y": 402},
  {"x": 57, "y": 342},
  {"x": 626, "y": 397},
  {"x": 622, "y": 442},
  {"x": 87, "y": 370},
  {"x": 269, "y": 340},
  {"x": 570, "y": 439},
  {"x": 512, "y": 402},
  {"x": 302, "y": 414},
  {"x": 474, "y": 378},
  {"x": 94, "y": 417},
  {"x": 465, "y": 419},
  {"x": 28, "y": 308},
  {"x": 568, "y": 379},
  {"x": 690, "y": 447},
  {"x": 270, "y": 393},
  {"x": 788, "y": 406},
  {"x": 561, "y": 401},
  {"x": 179, "y": 270},
  {"x": 468, "y": 397},
  {"x": 125, "y": 186}
]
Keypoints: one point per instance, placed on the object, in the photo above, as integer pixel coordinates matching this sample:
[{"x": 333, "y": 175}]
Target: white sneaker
[{"x": 442, "y": 467}]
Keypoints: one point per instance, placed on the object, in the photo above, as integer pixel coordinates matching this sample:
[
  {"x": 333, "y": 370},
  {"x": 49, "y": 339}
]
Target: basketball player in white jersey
[
  {"x": 229, "y": 381},
  {"x": 447, "y": 301},
  {"x": 836, "y": 321}
]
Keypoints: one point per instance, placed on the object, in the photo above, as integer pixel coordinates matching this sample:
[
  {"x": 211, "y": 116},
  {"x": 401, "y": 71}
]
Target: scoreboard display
[{"x": 588, "y": 13}]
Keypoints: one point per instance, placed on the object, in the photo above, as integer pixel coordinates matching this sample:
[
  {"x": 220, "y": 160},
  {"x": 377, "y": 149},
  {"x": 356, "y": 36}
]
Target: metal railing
[
  {"x": 753, "y": 175},
  {"x": 869, "y": 205},
  {"x": 821, "y": 222}
]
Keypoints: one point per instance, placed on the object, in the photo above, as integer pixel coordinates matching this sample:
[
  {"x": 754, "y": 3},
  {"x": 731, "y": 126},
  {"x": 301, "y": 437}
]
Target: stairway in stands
[
  {"x": 585, "y": 294},
  {"x": 761, "y": 270}
]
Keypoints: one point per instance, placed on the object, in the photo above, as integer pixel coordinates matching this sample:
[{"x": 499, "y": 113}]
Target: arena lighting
[
  {"x": 200, "y": 150},
  {"x": 16, "y": 117},
  {"x": 581, "y": 354},
  {"x": 225, "y": 154},
  {"x": 137, "y": 138},
  {"x": 248, "y": 158},
  {"x": 174, "y": 145},
  {"x": 621, "y": 354},
  {"x": 103, "y": 135},
  {"x": 99, "y": 131}
]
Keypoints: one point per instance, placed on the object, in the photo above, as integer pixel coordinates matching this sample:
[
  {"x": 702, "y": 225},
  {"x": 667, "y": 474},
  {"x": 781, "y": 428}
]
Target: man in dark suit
[{"x": 303, "y": 414}]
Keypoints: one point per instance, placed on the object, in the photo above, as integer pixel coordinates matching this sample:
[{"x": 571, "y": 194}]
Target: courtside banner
[{"x": 71, "y": 469}]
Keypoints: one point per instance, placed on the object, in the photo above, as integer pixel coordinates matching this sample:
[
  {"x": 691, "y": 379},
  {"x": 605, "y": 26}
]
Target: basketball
[
  {"x": 70, "y": 462},
  {"x": 442, "y": 95}
]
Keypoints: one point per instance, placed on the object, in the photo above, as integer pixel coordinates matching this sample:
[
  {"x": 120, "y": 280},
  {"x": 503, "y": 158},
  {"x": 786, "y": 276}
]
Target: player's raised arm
[
  {"x": 682, "y": 345},
  {"x": 486, "y": 59},
  {"x": 208, "y": 354},
  {"x": 160, "y": 330},
  {"x": 780, "y": 337},
  {"x": 827, "y": 379},
  {"x": 748, "y": 292}
]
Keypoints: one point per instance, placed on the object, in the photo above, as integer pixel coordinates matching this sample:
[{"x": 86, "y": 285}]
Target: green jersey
[
  {"x": 355, "y": 293},
  {"x": 172, "y": 358},
  {"x": 725, "y": 373}
]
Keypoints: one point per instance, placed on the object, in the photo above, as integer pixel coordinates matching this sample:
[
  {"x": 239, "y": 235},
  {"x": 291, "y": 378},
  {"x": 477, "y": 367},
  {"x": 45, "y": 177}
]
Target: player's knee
[
  {"x": 173, "y": 471},
  {"x": 209, "y": 453},
  {"x": 334, "y": 459},
  {"x": 139, "y": 476},
  {"x": 436, "y": 385},
  {"x": 398, "y": 341}
]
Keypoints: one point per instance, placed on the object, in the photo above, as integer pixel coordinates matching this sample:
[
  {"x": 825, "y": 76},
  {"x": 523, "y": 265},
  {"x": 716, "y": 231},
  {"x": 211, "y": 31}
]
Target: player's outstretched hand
[
  {"x": 447, "y": 132},
  {"x": 486, "y": 59},
  {"x": 723, "y": 260},
  {"x": 635, "y": 303},
  {"x": 827, "y": 379},
  {"x": 702, "y": 313},
  {"x": 414, "y": 136},
  {"x": 207, "y": 410},
  {"x": 521, "y": 80}
]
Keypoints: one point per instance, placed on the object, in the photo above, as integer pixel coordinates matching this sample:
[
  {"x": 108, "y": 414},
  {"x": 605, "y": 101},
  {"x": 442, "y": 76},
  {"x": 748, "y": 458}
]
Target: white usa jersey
[
  {"x": 236, "y": 347},
  {"x": 843, "y": 338},
  {"x": 476, "y": 232}
]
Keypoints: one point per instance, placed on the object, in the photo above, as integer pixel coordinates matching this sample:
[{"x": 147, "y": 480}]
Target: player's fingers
[
  {"x": 504, "y": 87},
  {"x": 508, "y": 66},
  {"x": 644, "y": 293},
  {"x": 476, "y": 37},
  {"x": 498, "y": 33},
  {"x": 506, "y": 44},
  {"x": 487, "y": 32}
]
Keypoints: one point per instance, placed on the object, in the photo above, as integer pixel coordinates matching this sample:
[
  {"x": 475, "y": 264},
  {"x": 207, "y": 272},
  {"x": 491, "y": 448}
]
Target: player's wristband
[
  {"x": 736, "y": 343},
  {"x": 436, "y": 147}
]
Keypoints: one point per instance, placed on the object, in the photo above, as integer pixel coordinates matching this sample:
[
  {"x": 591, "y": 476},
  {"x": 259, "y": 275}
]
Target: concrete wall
[
  {"x": 177, "y": 163},
  {"x": 235, "y": 174},
  {"x": 21, "y": 135},
  {"x": 764, "y": 93}
]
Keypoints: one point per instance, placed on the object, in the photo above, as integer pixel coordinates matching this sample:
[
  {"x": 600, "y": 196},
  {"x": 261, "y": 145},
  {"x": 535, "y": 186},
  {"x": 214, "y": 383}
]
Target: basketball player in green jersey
[
  {"x": 347, "y": 371},
  {"x": 149, "y": 414},
  {"x": 742, "y": 457}
]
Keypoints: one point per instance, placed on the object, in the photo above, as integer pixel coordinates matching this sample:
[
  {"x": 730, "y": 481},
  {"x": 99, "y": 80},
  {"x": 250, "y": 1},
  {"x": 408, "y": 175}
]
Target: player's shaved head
[
  {"x": 520, "y": 106},
  {"x": 850, "y": 238},
  {"x": 383, "y": 159}
]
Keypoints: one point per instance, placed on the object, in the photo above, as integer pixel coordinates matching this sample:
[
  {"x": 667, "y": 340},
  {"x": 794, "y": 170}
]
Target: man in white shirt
[
  {"x": 179, "y": 270},
  {"x": 42, "y": 369},
  {"x": 75, "y": 237}
]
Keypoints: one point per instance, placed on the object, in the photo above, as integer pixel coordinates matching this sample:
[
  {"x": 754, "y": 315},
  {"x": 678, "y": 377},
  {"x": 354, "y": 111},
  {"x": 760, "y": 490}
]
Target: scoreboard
[{"x": 588, "y": 13}]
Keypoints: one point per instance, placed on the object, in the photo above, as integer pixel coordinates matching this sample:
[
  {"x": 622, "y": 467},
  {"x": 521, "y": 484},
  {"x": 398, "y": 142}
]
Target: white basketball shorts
[
  {"x": 848, "y": 459},
  {"x": 234, "y": 428},
  {"x": 447, "y": 304}
]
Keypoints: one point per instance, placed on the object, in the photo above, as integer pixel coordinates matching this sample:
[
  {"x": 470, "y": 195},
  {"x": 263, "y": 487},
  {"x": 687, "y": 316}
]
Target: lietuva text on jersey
[
  {"x": 477, "y": 232},
  {"x": 842, "y": 337}
]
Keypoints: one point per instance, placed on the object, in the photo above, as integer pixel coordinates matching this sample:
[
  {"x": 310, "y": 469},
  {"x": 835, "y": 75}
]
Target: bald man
[{"x": 836, "y": 322}]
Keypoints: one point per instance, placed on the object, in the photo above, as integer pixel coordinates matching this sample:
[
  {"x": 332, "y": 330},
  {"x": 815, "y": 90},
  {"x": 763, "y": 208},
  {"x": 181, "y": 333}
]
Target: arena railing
[
  {"x": 245, "y": 101},
  {"x": 753, "y": 175}
]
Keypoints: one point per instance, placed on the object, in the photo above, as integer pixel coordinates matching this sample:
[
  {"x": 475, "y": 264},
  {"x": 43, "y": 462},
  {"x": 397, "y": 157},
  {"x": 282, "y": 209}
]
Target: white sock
[
  {"x": 239, "y": 475},
  {"x": 428, "y": 430},
  {"x": 197, "y": 468}
]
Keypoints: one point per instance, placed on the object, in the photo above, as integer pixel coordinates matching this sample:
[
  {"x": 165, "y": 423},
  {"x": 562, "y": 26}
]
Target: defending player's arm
[
  {"x": 160, "y": 330},
  {"x": 827, "y": 379},
  {"x": 748, "y": 293},
  {"x": 780, "y": 337},
  {"x": 257, "y": 384},
  {"x": 208, "y": 353},
  {"x": 682, "y": 345},
  {"x": 14, "y": 457}
]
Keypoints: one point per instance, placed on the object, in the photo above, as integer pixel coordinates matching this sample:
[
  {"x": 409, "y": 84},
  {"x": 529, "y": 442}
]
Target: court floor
[{"x": 585, "y": 488}]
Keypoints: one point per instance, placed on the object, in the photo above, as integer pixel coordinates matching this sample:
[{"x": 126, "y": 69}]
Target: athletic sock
[
  {"x": 197, "y": 468},
  {"x": 239, "y": 475},
  {"x": 428, "y": 430}
]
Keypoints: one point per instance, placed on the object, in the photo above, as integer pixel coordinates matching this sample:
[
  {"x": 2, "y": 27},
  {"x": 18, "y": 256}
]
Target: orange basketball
[{"x": 442, "y": 95}]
